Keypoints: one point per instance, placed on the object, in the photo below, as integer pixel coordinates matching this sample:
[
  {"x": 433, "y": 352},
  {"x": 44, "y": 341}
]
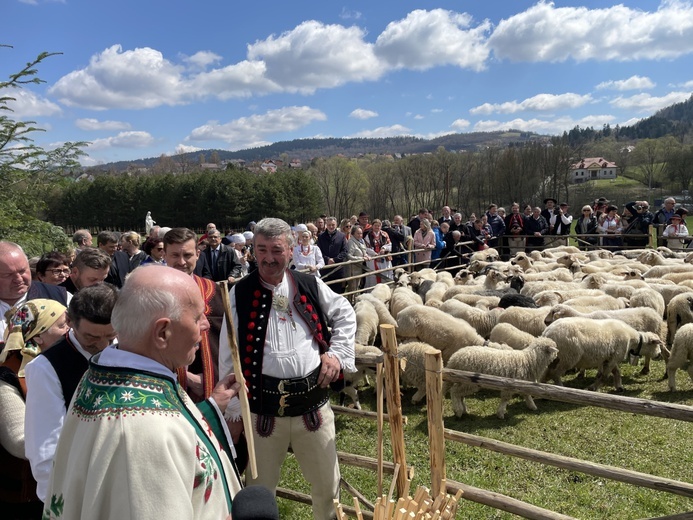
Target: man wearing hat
[
  {"x": 676, "y": 231},
  {"x": 559, "y": 225},
  {"x": 548, "y": 212},
  {"x": 639, "y": 223}
]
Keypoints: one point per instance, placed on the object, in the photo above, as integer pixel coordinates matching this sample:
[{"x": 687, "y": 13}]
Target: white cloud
[
  {"x": 687, "y": 84},
  {"x": 546, "y": 33},
  {"x": 91, "y": 124},
  {"x": 347, "y": 14},
  {"x": 460, "y": 124},
  {"x": 202, "y": 59},
  {"x": 131, "y": 139},
  {"x": 647, "y": 103},
  {"x": 29, "y": 104},
  {"x": 252, "y": 131},
  {"x": 542, "y": 126},
  {"x": 426, "y": 39},
  {"x": 540, "y": 102},
  {"x": 418, "y": 116},
  {"x": 184, "y": 148},
  {"x": 115, "y": 79},
  {"x": 632, "y": 83},
  {"x": 436, "y": 110},
  {"x": 361, "y": 113},
  {"x": 384, "y": 131},
  {"x": 314, "y": 55}
]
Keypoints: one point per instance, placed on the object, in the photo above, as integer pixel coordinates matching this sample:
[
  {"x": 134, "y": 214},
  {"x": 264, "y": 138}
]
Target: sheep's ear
[{"x": 403, "y": 364}]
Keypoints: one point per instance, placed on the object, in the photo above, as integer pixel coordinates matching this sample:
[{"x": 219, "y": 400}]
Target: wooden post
[
  {"x": 379, "y": 397},
  {"x": 243, "y": 394},
  {"x": 394, "y": 403},
  {"x": 434, "y": 402}
]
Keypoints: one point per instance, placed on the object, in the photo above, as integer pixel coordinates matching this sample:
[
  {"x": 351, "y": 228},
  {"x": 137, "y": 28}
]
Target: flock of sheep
[{"x": 537, "y": 317}]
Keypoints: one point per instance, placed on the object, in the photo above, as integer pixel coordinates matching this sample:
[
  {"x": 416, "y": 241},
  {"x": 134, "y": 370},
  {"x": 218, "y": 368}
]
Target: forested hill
[{"x": 306, "y": 149}]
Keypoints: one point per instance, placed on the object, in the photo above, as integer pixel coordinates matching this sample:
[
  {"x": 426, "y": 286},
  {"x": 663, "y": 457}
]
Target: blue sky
[{"x": 149, "y": 77}]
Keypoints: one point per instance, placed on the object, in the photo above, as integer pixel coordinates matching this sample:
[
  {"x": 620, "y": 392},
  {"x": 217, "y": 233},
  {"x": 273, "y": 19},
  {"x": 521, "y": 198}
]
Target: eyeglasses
[
  {"x": 58, "y": 272},
  {"x": 347, "y": 226}
]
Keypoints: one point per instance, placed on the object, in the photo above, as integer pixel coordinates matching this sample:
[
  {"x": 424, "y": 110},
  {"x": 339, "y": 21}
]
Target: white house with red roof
[{"x": 591, "y": 168}]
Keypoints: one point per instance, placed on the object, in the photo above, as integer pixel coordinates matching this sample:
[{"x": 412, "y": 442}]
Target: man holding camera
[
  {"x": 559, "y": 225},
  {"x": 638, "y": 224}
]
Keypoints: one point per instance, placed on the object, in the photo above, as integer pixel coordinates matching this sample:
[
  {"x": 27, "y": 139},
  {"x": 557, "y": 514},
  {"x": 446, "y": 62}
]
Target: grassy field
[{"x": 646, "y": 444}]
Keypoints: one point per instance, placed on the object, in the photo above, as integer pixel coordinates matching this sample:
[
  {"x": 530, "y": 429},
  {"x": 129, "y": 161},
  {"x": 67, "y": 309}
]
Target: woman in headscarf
[
  {"x": 425, "y": 239},
  {"x": 33, "y": 328}
]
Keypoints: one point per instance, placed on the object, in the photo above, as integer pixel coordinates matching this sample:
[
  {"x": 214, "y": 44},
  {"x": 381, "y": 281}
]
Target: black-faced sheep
[
  {"x": 529, "y": 364},
  {"x": 681, "y": 354},
  {"x": 583, "y": 344}
]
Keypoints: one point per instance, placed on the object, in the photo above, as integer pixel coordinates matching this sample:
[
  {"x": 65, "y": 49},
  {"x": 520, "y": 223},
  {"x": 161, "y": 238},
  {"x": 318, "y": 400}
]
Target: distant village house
[{"x": 592, "y": 168}]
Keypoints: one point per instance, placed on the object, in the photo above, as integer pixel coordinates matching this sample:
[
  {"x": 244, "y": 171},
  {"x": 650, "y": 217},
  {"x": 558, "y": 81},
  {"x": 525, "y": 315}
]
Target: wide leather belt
[{"x": 292, "y": 397}]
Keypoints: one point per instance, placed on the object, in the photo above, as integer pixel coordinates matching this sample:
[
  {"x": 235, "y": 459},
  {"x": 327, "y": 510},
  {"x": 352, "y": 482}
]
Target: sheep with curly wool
[
  {"x": 475, "y": 300},
  {"x": 583, "y": 343},
  {"x": 403, "y": 297},
  {"x": 658, "y": 271},
  {"x": 384, "y": 316},
  {"x": 510, "y": 335},
  {"x": 487, "y": 255},
  {"x": 605, "y": 302},
  {"x": 681, "y": 355},
  {"x": 366, "y": 322},
  {"x": 383, "y": 292},
  {"x": 679, "y": 313},
  {"x": 648, "y": 297},
  {"x": 482, "y": 320},
  {"x": 445, "y": 277},
  {"x": 348, "y": 385},
  {"x": 529, "y": 364},
  {"x": 526, "y": 319},
  {"x": 434, "y": 295},
  {"x": 440, "y": 330},
  {"x": 412, "y": 373},
  {"x": 551, "y": 298}
]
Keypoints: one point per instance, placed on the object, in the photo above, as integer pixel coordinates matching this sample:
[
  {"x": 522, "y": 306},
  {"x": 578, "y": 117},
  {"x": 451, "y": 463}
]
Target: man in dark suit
[
  {"x": 220, "y": 259},
  {"x": 120, "y": 261}
]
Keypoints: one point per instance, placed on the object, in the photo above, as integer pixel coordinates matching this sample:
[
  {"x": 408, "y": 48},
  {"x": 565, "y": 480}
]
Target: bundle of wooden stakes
[{"x": 421, "y": 507}]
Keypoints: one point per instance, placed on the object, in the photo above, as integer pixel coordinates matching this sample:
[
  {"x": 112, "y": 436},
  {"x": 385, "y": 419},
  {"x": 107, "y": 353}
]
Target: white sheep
[
  {"x": 383, "y": 292},
  {"x": 434, "y": 295},
  {"x": 679, "y": 313},
  {"x": 366, "y": 322},
  {"x": 604, "y": 302},
  {"x": 412, "y": 356},
  {"x": 551, "y": 298},
  {"x": 403, "y": 297},
  {"x": 525, "y": 319},
  {"x": 648, "y": 297},
  {"x": 436, "y": 328},
  {"x": 681, "y": 354},
  {"x": 510, "y": 335},
  {"x": 384, "y": 316},
  {"x": 482, "y": 320},
  {"x": 529, "y": 364},
  {"x": 481, "y": 302},
  {"x": 583, "y": 344},
  {"x": 354, "y": 379},
  {"x": 445, "y": 277}
]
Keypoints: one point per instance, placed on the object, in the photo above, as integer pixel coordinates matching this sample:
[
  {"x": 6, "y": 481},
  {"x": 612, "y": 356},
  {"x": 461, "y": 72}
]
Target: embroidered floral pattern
[
  {"x": 207, "y": 472},
  {"x": 104, "y": 395}
]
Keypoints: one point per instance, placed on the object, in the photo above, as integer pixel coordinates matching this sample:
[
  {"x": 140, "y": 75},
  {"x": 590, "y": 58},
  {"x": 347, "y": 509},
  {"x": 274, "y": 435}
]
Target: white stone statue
[{"x": 149, "y": 222}]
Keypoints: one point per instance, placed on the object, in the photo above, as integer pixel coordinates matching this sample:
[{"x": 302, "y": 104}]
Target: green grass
[{"x": 647, "y": 444}]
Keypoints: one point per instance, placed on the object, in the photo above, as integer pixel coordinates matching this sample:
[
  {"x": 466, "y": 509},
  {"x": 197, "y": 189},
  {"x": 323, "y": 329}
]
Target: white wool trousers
[{"x": 315, "y": 451}]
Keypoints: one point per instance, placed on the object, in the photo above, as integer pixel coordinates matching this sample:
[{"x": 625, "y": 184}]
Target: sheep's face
[
  {"x": 522, "y": 260},
  {"x": 556, "y": 313},
  {"x": 633, "y": 274},
  {"x": 651, "y": 346}
]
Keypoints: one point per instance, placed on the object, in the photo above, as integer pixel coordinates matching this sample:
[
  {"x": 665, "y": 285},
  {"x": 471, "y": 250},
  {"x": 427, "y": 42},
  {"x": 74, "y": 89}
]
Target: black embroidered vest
[
  {"x": 69, "y": 365},
  {"x": 253, "y": 304}
]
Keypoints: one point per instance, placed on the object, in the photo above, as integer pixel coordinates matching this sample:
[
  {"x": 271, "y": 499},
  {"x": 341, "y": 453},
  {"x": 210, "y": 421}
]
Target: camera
[{"x": 638, "y": 207}]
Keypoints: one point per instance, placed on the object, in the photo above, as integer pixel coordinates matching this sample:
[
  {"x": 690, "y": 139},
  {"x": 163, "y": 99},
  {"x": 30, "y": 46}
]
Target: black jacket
[{"x": 227, "y": 265}]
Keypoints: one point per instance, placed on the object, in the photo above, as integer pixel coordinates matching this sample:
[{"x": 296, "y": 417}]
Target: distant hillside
[{"x": 306, "y": 149}]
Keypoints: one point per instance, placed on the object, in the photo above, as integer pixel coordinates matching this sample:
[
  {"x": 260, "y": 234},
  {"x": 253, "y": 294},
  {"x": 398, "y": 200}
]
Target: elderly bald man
[
  {"x": 134, "y": 446},
  {"x": 16, "y": 286}
]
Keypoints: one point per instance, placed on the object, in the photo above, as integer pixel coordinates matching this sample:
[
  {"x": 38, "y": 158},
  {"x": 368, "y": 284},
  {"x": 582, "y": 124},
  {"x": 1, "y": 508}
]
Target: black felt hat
[{"x": 550, "y": 199}]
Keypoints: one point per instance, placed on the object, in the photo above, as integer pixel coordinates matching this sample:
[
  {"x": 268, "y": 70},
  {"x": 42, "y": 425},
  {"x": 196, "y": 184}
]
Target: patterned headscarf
[{"x": 28, "y": 321}]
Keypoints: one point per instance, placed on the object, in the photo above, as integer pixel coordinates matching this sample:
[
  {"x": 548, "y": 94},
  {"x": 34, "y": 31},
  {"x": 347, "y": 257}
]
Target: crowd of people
[{"x": 134, "y": 330}]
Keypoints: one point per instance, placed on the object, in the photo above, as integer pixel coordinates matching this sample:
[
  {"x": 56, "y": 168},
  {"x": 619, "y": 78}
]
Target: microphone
[{"x": 254, "y": 503}]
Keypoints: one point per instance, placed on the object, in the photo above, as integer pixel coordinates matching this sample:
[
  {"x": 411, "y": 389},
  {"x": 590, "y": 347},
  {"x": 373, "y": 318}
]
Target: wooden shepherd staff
[{"x": 243, "y": 394}]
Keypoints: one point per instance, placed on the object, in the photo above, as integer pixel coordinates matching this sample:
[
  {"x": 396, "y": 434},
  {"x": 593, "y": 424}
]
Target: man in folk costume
[
  {"x": 134, "y": 446},
  {"x": 289, "y": 357},
  {"x": 560, "y": 224},
  {"x": 181, "y": 253},
  {"x": 53, "y": 376}
]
